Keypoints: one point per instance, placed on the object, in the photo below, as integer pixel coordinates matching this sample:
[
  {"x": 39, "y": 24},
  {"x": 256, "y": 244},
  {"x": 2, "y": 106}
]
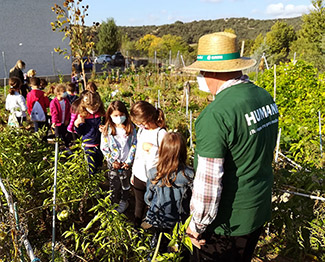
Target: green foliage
[
  {"x": 109, "y": 236},
  {"x": 299, "y": 97},
  {"x": 278, "y": 41},
  {"x": 109, "y": 38},
  {"x": 178, "y": 241},
  {"x": 245, "y": 28},
  {"x": 309, "y": 45},
  {"x": 73, "y": 178},
  {"x": 144, "y": 43}
]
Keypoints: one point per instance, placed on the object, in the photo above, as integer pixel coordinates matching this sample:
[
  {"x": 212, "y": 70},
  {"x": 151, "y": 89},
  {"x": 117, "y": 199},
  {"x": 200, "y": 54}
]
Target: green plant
[
  {"x": 178, "y": 241},
  {"x": 109, "y": 237}
]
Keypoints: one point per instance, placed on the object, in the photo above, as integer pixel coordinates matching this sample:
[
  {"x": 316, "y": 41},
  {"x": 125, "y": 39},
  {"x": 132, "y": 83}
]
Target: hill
[{"x": 245, "y": 28}]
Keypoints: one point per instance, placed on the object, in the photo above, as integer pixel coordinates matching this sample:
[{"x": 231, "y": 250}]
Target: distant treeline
[{"x": 244, "y": 28}]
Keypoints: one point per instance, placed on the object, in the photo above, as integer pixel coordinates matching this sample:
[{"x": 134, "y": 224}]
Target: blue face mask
[{"x": 64, "y": 95}]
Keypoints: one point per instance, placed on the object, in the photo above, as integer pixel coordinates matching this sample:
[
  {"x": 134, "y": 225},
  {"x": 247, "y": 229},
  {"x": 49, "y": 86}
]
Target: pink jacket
[{"x": 56, "y": 111}]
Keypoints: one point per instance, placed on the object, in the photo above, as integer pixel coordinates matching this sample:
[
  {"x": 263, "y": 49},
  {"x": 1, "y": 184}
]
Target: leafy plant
[
  {"x": 178, "y": 241},
  {"x": 109, "y": 237}
]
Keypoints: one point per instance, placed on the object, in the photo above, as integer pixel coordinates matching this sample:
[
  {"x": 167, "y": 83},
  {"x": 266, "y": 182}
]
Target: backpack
[{"x": 37, "y": 114}]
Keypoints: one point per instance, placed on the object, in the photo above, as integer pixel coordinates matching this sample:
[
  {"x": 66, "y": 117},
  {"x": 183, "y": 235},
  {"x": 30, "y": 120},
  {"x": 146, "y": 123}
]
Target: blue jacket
[
  {"x": 90, "y": 130},
  {"x": 166, "y": 204},
  {"x": 110, "y": 149}
]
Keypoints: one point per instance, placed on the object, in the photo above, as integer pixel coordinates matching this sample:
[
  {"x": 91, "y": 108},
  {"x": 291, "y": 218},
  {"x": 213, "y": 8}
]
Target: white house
[{"x": 26, "y": 34}]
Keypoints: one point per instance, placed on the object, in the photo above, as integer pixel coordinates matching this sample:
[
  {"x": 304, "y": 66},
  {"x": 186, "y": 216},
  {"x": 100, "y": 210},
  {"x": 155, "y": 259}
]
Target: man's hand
[{"x": 194, "y": 238}]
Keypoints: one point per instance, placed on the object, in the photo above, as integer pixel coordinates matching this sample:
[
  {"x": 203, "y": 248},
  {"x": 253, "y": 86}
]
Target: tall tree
[
  {"x": 70, "y": 19},
  {"x": 278, "y": 41},
  {"x": 259, "y": 40},
  {"x": 309, "y": 45},
  {"x": 144, "y": 43},
  {"x": 109, "y": 40}
]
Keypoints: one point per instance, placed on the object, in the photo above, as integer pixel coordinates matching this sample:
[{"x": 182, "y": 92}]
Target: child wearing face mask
[
  {"x": 89, "y": 114},
  {"x": 60, "y": 113},
  {"x": 151, "y": 123},
  {"x": 118, "y": 144}
]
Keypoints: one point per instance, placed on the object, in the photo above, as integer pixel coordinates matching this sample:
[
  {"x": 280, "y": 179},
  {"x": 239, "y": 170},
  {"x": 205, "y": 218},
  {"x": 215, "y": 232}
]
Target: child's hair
[
  {"x": 59, "y": 89},
  {"x": 43, "y": 83},
  {"x": 50, "y": 91},
  {"x": 31, "y": 73},
  {"x": 172, "y": 158},
  {"x": 15, "y": 84},
  {"x": 71, "y": 88},
  {"x": 93, "y": 102},
  {"x": 91, "y": 86},
  {"x": 118, "y": 106},
  {"x": 142, "y": 111},
  {"x": 76, "y": 103},
  {"x": 34, "y": 81}
]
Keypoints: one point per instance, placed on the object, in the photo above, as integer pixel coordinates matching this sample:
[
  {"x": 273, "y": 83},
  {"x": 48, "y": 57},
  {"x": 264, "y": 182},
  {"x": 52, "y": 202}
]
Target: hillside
[{"x": 245, "y": 28}]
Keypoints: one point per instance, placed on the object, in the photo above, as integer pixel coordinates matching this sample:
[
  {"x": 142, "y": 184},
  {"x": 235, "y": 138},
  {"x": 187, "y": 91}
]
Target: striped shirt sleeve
[{"x": 207, "y": 188}]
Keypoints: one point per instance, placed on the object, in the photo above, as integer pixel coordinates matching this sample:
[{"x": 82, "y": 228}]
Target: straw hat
[{"x": 218, "y": 52}]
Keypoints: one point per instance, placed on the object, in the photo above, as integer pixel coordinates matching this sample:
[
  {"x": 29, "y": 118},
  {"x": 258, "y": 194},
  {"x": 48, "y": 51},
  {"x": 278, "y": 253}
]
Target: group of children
[{"x": 150, "y": 158}]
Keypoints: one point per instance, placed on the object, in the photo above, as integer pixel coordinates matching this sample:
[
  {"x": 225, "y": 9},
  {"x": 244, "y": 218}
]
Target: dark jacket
[
  {"x": 90, "y": 130},
  {"x": 19, "y": 74}
]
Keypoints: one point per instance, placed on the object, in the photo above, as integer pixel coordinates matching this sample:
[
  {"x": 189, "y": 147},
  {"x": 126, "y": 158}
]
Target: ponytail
[
  {"x": 161, "y": 119},
  {"x": 142, "y": 111}
]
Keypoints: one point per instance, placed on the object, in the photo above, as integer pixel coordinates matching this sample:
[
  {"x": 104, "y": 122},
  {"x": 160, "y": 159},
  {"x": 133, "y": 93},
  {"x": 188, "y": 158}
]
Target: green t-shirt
[{"x": 240, "y": 125}]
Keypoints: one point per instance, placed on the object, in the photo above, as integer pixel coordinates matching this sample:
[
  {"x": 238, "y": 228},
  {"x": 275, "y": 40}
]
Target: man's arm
[{"x": 206, "y": 194}]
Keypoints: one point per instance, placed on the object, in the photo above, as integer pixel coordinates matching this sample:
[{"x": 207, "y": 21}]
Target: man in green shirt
[{"x": 235, "y": 139}]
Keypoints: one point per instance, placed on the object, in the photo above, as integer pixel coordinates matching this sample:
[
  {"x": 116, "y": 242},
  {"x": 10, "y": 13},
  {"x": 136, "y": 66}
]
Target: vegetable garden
[{"x": 88, "y": 228}]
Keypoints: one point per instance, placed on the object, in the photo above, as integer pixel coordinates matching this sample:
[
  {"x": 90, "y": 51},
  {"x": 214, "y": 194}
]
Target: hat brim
[{"x": 222, "y": 66}]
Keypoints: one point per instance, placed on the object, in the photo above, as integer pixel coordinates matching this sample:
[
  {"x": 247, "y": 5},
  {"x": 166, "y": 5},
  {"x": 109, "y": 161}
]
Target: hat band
[{"x": 220, "y": 57}]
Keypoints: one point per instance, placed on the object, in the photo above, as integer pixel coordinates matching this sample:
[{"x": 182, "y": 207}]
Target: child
[
  {"x": 37, "y": 95},
  {"x": 168, "y": 184},
  {"x": 60, "y": 113},
  {"x": 75, "y": 81},
  {"x": 15, "y": 102},
  {"x": 118, "y": 144},
  {"x": 71, "y": 93},
  {"x": 151, "y": 123},
  {"x": 90, "y": 111},
  {"x": 30, "y": 73},
  {"x": 91, "y": 86},
  {"x": 43, "y": 84}
]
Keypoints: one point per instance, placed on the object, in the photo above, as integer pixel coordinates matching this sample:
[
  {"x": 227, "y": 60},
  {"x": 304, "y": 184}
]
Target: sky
[{"x": 153, "y": 12}]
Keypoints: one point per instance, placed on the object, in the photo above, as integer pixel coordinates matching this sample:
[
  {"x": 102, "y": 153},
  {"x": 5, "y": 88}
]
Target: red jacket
[
  {"x": 56, "y": 111},
  {"x": 37, "y": 95}
]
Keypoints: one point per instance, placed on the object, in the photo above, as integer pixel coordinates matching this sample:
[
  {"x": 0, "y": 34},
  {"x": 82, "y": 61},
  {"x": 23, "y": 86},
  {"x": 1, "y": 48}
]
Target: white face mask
[
  {"x": 90, "y": 111},
  {"x": 118, "y": 119},
  {"x": 202, "y": 83}
]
